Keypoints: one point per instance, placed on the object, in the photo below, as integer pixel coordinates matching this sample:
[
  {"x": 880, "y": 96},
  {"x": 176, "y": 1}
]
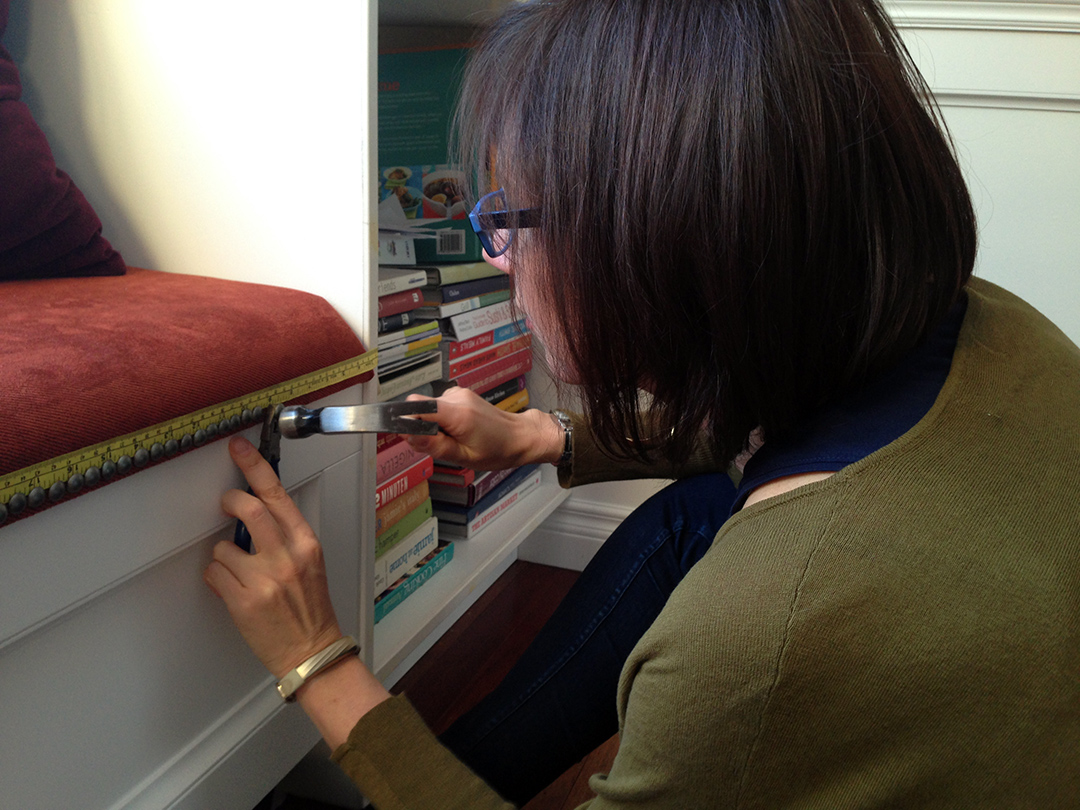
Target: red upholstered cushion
[
  {"x": 87, "y": 360},
  {"x": 47, "y": 227}
]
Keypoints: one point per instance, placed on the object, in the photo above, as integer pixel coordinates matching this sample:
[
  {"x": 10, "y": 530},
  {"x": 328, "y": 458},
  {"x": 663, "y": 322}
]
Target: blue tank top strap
[{"x": 865, "y": 420}]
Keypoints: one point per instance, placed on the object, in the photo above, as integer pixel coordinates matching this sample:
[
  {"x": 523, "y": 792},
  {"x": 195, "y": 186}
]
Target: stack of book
[
  {"x": 408, "y": 343},
  {"x": 483, "y": 347},
  {"x": 406, "y": 531},
  {"x": 487, "y": 349}
]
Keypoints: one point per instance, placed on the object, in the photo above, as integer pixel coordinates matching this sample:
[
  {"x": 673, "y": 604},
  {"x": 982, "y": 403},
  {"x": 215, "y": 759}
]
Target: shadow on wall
[{"x": 65, "y": 111}]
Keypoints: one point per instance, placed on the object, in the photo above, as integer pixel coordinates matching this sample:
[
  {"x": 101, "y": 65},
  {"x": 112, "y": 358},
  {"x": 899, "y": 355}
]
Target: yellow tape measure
[{"x": 57, "y": 478}]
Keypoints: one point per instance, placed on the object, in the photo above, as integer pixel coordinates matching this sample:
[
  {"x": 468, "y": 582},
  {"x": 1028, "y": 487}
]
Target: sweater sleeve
[
  {"x": 397, "y": 763},
  {"x": 591, "y": 464}
]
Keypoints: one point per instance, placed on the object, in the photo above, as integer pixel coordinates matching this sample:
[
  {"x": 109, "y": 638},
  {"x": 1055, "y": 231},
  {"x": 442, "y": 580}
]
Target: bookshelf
[{"x": 398, "y": 640}]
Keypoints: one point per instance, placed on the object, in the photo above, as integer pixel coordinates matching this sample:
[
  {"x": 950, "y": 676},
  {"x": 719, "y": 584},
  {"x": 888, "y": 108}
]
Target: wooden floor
[{"x": 479, "y": 650}]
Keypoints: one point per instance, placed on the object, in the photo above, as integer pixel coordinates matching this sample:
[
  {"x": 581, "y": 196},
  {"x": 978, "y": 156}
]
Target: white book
[
  {"x": 488, "y": 516},
  {"x": 478, "y": 321},
  {"x": 406, "y": 553},
  {"x": 403, "y": 382},
  {"x": 398, "y": 279}
]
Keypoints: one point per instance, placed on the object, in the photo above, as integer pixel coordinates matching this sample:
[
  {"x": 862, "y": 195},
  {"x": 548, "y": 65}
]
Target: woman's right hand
[{"x": 474, "y": 433}]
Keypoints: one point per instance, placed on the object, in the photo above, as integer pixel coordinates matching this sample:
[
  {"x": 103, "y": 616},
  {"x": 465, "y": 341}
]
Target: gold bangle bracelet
[{"x": 343, "y": 647}]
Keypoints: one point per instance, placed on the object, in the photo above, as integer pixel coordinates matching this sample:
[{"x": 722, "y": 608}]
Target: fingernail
[{"x": 241, "y": 446}]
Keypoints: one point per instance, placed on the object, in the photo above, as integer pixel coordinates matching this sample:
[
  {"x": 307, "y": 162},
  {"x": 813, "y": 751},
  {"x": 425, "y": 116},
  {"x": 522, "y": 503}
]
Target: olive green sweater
[{"x": 905, "y": 633}]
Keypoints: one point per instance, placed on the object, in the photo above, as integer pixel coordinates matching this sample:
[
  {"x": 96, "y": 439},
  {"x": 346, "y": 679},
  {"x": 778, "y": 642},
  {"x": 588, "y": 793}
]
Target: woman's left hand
[{"x": 278, "y": 595}]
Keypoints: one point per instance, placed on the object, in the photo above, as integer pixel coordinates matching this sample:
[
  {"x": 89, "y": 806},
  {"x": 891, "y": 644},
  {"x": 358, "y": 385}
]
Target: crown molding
[
  {"x": 987, "y": 15},
  {"x": 1011, "y": 100}
]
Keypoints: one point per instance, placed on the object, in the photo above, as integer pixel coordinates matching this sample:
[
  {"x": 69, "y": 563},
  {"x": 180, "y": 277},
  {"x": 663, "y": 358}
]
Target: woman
[{"x": 743, "y": 209}]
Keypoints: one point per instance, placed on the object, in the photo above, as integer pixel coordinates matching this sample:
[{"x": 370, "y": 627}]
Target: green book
[{"x": 400, "y": 530}]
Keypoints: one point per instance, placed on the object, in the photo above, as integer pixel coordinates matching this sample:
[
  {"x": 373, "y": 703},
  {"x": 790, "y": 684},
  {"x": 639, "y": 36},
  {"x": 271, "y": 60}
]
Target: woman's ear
[{"x": 502, "y": 262}]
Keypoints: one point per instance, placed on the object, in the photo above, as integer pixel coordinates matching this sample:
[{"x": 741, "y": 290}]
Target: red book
[
  {"x": 454, "y": 476},
  {"x": 394, "y": 459},
  {"x": 503, "y": 369},
  {"x": 404, "y": 481},
  {"x": 398, "y": 302},
  {"x": 490, "y": 355},
  {"x": 460, "y": 348},
  {"x": 387, "y": 440}
]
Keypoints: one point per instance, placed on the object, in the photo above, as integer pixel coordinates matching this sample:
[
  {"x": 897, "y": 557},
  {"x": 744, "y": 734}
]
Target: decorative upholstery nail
[
  {"x": 57, "y": 491},
  {"x": 93, "y": 476},
  {"x": 37, "y": 497},
  {"x": 172, "y": 447},
  {"x": 200, "y": 437},
  {"x": 16, "y": 503},
  {"x": 75, "y": 483},
  {"x": 124, "y": 464},
  {"x": 142, "y": 457},
  {"x": 108, "y": 469},
  {"x": 157, "y": 451}
]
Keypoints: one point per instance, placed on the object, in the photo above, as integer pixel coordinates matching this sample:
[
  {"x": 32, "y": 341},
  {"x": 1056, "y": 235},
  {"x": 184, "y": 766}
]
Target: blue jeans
[{"x": 558, "y": 702}]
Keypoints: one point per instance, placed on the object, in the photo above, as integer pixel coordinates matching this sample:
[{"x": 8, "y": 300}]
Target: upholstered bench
[
  {"x": 121, "y": 671},
  {"x": 105, "y": 376}
]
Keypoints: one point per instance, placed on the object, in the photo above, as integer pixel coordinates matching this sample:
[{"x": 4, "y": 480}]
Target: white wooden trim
[
  {"x": 1008, "y": 100},
  {"x": 987, "y": 15},
  {"x": 573, "y": 533}
]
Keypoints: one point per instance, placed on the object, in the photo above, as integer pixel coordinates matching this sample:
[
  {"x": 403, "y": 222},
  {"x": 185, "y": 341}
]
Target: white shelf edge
[{"x": 411, "y": 624}]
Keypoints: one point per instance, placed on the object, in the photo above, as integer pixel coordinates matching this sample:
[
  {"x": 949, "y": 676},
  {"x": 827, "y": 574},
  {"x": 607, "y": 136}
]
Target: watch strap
[{"x": 562, "y": 419}]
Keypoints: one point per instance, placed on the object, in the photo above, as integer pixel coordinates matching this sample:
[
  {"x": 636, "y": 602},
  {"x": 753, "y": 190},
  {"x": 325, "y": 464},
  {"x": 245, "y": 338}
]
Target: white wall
[
  {"x": 215, "y": 137},
  {"x": 1007, "y": 76}
]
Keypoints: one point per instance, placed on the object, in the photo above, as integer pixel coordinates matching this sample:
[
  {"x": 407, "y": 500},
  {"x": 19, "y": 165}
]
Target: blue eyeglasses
[{"x": 495, "y": 225}]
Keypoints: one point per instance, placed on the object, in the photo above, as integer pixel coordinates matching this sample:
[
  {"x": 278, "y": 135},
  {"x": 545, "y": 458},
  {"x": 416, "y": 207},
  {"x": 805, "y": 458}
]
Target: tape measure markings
[{"x": 166, "y": 439}]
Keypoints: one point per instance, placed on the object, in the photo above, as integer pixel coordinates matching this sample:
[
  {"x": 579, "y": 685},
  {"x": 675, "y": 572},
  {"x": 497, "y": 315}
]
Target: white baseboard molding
[{"x": 573, "y": 533}]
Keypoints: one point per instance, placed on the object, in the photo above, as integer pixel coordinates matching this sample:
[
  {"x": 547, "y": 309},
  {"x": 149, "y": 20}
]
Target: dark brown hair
[{"x": 749, "y": 206}]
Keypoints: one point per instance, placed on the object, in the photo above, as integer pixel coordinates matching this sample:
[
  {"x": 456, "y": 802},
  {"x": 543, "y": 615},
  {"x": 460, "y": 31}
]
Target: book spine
[
  {"x": 399, "y": 280},
  {"x": 406, "y": 526},
  {"x": 399, "y": 302},
  {"x": 487, "y": 485},
  {"x": 392, "y": 323},
  {"x": 503, "y": 369},
  {"x": 406, "y": 554},
  {"x": 396, "y": 249},
  {"x": 398, "y": 509},
  {"x": 461, "y": 514},
  {"x": 468, "y": 495},
  {"x": 385, "y": 440},
  {"x": 456, "y": 368},
  {"x": 464, "y": 305},
  {"x": 486, "y": 517},
  {"x": 393, "y": 460},
  {"x": 398, "y": 385},
  {"x": 454, "y": 476},
  {"x": 506, "y": 389},
  {"x": 515, "y": 403},
  {"x": 403, "y": 481},
  {"x": 458, "y": 272},
  {"x": 448, "y": 293},
  {"x": 454, "y": 349},
  {"x": 425, "y": 571},
  {"x": 471, "y": 324}
]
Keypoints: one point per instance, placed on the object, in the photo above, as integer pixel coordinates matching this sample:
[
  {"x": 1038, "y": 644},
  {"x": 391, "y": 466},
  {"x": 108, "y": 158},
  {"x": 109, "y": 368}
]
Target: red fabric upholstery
[
  {"x": 47, "y": 227},
  {"x": 87, "y": 360}
]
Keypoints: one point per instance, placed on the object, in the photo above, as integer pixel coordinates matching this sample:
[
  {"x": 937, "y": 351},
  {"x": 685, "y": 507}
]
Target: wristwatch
[{"x": 562, "y": 419}]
